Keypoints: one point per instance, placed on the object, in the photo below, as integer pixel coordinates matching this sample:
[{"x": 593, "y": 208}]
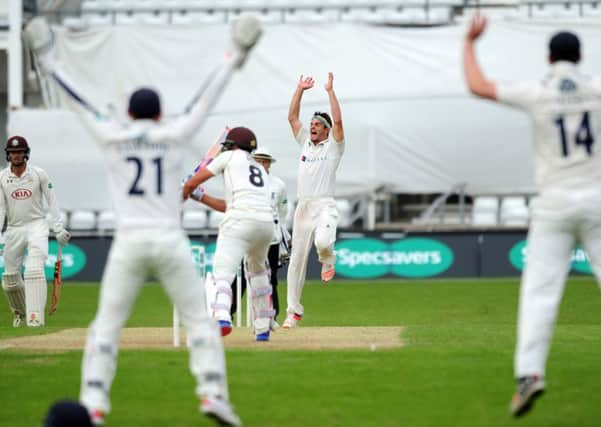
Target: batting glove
[
  {"x": 246, "y": 31},
  {"x": 63, "y": 237},
  {"x": 198, "y": 193}
]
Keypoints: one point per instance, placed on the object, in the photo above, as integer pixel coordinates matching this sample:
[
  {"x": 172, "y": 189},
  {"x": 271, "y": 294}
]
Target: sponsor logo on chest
[
  {"x": 21, "y": 194},
  {"x": 314, "y": 159}
]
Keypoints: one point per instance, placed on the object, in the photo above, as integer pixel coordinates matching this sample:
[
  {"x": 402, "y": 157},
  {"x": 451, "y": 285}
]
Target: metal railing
[{"x": 438, "y": 207}]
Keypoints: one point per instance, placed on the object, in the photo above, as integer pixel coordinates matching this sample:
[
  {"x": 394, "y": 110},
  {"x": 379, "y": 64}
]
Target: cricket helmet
[
  {"x": 241, "y": 137},
  {"x": 16, "y": 143}
]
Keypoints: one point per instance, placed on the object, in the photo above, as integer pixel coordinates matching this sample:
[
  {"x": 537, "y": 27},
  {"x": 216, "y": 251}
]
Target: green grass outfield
[{"x": 455, "y": 370}]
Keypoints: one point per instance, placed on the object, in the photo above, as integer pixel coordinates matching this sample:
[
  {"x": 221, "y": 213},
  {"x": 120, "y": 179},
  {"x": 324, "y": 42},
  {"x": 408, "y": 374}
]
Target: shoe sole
[
  {"x": 528, "y": 404},
  {"x": 326, "y": 277},
  {"x": 220, "y": 421},
  {"x": 226, "y": 328}
]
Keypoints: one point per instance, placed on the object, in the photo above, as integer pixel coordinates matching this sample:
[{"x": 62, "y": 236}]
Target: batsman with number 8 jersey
[{"x": 246, "y": 230}]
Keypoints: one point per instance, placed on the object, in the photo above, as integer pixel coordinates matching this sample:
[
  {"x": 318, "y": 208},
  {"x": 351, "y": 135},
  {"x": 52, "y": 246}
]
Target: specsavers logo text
[
  {"x": 579, "y": 259},
  {"x": 413, "y": 257}
]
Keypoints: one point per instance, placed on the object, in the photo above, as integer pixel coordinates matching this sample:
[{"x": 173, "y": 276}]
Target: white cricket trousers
[
  {"x": 315, "y": 220},
  {"x": 32, "y": 237},
  {"x": 134, "y": 256},
  {"x": 247, "y": 239},
  {"x": 559, "y": 220}
]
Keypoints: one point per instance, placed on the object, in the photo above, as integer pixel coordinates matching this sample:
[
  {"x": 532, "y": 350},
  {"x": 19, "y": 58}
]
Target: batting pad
[
  {"x": 207, "y": 360},
  {"x": 36, "y": 293},
  {"x": 15, "y": 293},
  {"x": 261, "y": 301}
]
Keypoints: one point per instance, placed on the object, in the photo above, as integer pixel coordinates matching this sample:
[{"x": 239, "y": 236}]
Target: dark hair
[
  {"x": 325, "y": 115},
  {"x": 144, "y": 103},
  {"x": 67, "y": 413},
  {"x": 564, "y": 46}
]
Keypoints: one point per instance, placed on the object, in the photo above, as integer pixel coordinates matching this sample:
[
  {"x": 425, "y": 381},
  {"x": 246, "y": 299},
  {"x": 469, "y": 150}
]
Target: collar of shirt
[
  {"x": 23, "y": 175},
  {"x": 563, "y": 66},
  {"x": 320, "y": 143}
]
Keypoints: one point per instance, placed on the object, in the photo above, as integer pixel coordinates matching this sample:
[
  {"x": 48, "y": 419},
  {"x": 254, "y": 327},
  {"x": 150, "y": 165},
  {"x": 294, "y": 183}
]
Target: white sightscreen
[{"x": 409, "y": 122}]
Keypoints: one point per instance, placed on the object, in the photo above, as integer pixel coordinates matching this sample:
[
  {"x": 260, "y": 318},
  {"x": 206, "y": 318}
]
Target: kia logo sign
[{"x": 21, "y": 194}]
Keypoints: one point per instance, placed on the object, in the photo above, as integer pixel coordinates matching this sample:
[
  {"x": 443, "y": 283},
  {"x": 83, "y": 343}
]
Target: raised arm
[
  {"x": 294, "y": 110},
  {"x": 337, "y": 129},
  {"x": 476, "y": 81},
  {"x": 245, "y": 34}
]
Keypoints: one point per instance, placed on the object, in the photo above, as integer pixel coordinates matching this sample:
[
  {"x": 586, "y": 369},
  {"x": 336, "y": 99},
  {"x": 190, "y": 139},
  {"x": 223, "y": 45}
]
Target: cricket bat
[
  {"x": 57, "y": 282},
  {"x": 213, "y": 150},
  {"x": 211, "y": 153}
]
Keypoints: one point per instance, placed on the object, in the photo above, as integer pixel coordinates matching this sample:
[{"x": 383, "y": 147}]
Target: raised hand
[
  {"x": 306, "y": 83},
  {"x": 477, "y": 27},
  {"x": 330, "y": 84}
]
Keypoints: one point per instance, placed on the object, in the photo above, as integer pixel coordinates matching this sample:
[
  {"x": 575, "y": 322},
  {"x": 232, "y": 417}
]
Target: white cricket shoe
[
  {"x": 18, "y": 320},
  {"x": 328, "y": 269},
  {"x": 528, "y": 390},
  {"x": 97, "y": 417},
  {"x": 220, "y": 411},
  {"x": 291, "y": 321},
  {"x": 34, "y": 320}
]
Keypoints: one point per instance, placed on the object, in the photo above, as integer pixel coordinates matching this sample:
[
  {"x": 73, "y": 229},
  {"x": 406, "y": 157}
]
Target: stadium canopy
[{"x": 409, "y": 122}]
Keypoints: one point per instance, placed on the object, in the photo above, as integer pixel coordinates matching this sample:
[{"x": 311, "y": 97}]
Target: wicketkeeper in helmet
[
  {"x": 27, "y": 196},
  {"x": 246, "y": 230}
]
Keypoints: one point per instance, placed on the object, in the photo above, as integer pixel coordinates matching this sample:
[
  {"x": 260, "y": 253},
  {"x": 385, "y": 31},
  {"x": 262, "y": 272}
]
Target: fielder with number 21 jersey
[
  {"x": 566, "y": 113},
  {"x": 144, "y": 160}
]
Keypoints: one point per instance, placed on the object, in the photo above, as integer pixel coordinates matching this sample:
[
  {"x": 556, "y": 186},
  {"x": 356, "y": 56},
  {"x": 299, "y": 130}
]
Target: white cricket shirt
[
  {"x": 279, "y": 206},
  {"x": 23, "y": 197},
  {"x": 317, "y": 166},
  {"x": 566, "y": 111},
  {"x": 145, "y": 164},
  {"x": 247, "y": 193}
]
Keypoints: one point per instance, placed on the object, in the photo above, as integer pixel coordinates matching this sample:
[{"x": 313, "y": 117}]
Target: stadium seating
[
  {"x": 265, "y": 16},
  {"x": 345, "y": 209},
  {"x": 184, "y": 17},
  {"x": 485, "y": 210},
  {"x": 215, "y": 218},
  {"x": 194, "y": 219},
  {"x": 562, "y": 10},
  {"x": 591, "y": 10},
  {"x": 82, "y": 221},
  {"x": 106, "y": 221},
  {"x": 151, "y": 18},
  {"x": 514, "y": 211},
  {"x": 309, "y": 15}
]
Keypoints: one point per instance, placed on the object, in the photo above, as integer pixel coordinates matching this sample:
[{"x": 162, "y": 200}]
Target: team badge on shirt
[{"x": 567, "y": 85}]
